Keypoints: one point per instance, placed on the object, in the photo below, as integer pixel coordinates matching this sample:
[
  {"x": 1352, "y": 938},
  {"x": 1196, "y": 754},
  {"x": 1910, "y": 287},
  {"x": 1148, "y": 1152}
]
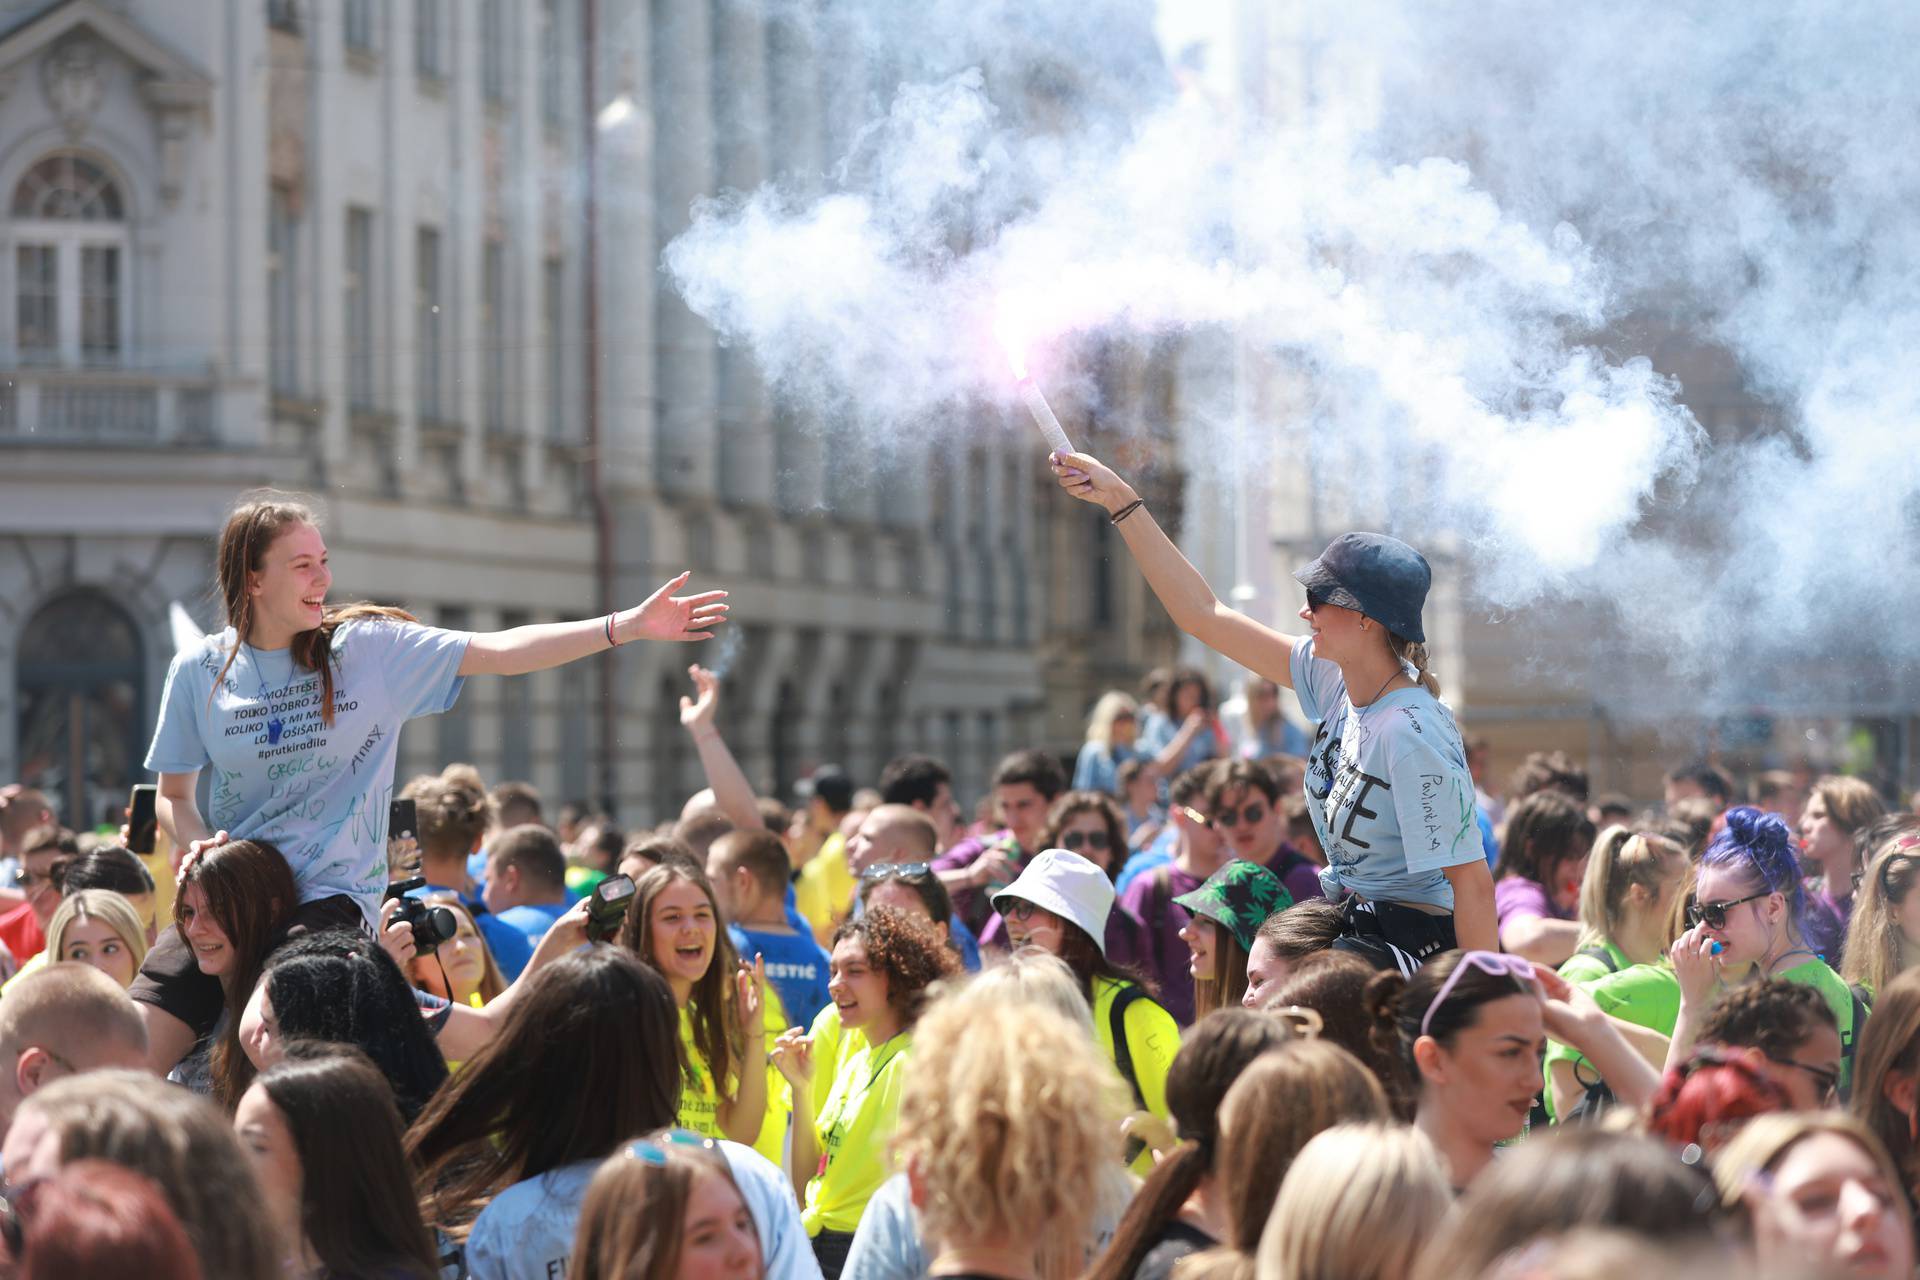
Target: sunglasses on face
[
  {"x": 31, "y": 880},
  {"x": 1316, "y": 600},
  {"x": 1019, "y": 909},
  {"x": 1195, "y": 816},
  {"x": 1074, "y": 841},
  {"x": 13, "y": 1199},
  {"x": 897, "y": 871},
  {"x": 1228, "y": 819},
  {"x": 1826, "y": 1079},
  {"x": 1714, "y": 914}
]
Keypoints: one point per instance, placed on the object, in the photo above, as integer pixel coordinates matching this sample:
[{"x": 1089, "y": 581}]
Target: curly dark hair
[
  {"x": 1772, "y": 1015},
  {"x": 905, "y": 949}
]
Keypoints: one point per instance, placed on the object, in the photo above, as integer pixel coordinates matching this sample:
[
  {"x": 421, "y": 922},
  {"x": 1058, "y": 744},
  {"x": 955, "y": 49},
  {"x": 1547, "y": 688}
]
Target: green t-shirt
[
  {"x": 1647, "y": 995},
  {"x": 1584, "y": 967},
  {"x": 1839, "y": 997},
  {"x": 853, "y": 1128}
]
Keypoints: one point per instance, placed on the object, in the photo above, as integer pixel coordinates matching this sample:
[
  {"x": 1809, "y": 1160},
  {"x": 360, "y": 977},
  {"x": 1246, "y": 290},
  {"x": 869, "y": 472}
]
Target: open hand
[
  {"x": 1090, "y": 480},
  {"x": 750, "y": 983},
  {"x": 697, "y": 712},
  {"x": 665, "y": 616}
]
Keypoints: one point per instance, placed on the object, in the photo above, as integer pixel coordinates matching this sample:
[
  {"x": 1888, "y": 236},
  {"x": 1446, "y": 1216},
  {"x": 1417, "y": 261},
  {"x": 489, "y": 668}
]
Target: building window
[
  {"x": 494, "y": 50},
  {"x": 553, "y": 318},
  {"x": 553, "y": 107},
  {"x": 359, "y": 25},
  {"x": 493, "y": 327},
  {"x": 283, "y": 15},
  {"x": 359, "y": 309},
  {"x": 426, "y": 323},
  {"x": 427, "y": 36},
  {"x": 283, "y": 338},
  {"x": 70, "y": 301}
]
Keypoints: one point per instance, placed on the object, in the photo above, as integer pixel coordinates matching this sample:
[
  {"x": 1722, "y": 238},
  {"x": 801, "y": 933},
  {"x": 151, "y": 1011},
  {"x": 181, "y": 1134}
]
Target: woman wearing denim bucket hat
[
  {"x": 1227, "y": 911},
  {"x": 1387, "y": 782},
  {"x": 1060, "y": 905}
]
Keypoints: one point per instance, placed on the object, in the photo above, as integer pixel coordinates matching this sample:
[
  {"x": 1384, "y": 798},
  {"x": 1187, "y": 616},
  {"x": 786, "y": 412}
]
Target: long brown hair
[
  {"x": 634, "y": 1213},
  {"x": 356, "y": 1195},
  {"x": 1074, "y": 803},
  {"x": 1213, "y": 1053},
  {"x": 587, "y": 1057},
  {"x": 252, "y": 896},
  {"x": 252, "y": 528},
  {"x": 1890, "y": 1044},
  {"x": 717, "y": 1031},
  {"x": 1229, "y": 983}
]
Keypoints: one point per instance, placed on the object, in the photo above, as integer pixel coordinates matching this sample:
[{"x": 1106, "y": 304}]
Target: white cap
[{"x": 1069, "y": 886}]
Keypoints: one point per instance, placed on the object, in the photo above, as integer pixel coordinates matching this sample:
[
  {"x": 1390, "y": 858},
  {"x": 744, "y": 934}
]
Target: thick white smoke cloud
[{"x": 1481, "y": 232}]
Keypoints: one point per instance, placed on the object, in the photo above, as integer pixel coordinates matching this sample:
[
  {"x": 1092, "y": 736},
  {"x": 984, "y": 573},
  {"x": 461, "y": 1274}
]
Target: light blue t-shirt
[
  {"x": 1387, "y": 787},
  {"x": 1157, "y": 854},
  {"x": 317, "y": 794},
  {"x": 1097, "y": 768},
  {"x": 526, "y": 1232}
]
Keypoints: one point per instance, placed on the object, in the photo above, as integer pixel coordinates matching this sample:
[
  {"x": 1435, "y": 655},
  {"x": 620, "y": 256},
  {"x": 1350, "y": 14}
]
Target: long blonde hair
[
  {"x": 1874, "y": 948},
  {"x": 1620, "y": 860},
  {"x": 1415, "y": 653},
  {"x": 1112, "y": 705},
  {"x": 1764, "y": 1141},
  {"x": 97, "y": 904},
  {"x": 1009, "y": 1122},
  {"x": 1356, "y": 1204}
]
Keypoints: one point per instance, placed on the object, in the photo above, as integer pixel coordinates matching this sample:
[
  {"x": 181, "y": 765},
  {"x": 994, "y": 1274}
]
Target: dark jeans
[
  {"x": 830, "y": 1251},
  {"x": 1390, "y": 936}
]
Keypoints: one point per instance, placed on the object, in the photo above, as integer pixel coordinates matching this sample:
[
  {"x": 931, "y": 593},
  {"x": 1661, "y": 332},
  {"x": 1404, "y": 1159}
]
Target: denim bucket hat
[{"x": 1380, "y": 576}]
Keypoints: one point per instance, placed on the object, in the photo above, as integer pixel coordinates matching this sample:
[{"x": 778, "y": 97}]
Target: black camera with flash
[{"x": 431, "y": 925}]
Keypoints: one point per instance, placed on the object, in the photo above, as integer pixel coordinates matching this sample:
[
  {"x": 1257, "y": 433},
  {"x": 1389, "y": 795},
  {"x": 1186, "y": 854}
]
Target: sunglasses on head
[
  {"x": 1714, "y": 914},
  {"x": 1231, "y": 818},
  {"x": 654, "y": 1150},
  {"x": 1493, "y": 962},
  {"x": 1074, "y": 841},
  {"x": 897, "y": 871}
]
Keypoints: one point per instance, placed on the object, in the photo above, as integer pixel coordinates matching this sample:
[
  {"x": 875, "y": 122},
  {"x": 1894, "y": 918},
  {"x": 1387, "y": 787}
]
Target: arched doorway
[{"x": 80, "y": 682}]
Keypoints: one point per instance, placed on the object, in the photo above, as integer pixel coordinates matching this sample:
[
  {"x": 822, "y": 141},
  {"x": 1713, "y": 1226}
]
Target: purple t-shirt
[
  {"x": 975, "y": 905},
  {"x": 1826, "y": 923},
  {"x": 1162, "y": 955},
  {"x": 1518, "y": 898}
]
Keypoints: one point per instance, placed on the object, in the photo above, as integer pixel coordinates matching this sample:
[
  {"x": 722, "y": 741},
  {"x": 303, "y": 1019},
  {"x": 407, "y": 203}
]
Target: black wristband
[{"x": 1127, "y": 510}]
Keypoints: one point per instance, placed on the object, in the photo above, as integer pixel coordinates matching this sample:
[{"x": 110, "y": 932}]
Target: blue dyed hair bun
[{"x": 1761, "y": 844}]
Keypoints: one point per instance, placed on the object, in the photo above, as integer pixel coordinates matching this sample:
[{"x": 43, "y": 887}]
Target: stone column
[{"x": 683, "y": 172}]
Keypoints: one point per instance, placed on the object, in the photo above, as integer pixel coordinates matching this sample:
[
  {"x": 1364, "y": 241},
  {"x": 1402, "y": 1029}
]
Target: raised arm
[
  {"x": 1180, "y": 588},
  {"x": 731, "y": 790},
  {"x": 541, "y": 646}
]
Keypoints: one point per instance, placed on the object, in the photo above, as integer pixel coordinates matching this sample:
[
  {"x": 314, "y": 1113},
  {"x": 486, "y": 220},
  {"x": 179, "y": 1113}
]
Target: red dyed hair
[
  {"x": 93, "y": 1220},
  {"x": 1705, "y": 1101}
]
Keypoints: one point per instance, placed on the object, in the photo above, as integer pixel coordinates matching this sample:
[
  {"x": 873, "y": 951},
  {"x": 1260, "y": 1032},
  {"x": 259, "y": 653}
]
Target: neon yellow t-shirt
[
  {"x": 824, "y": 892},
  {"x": 853, "y": 1128},
  {"x": 1153, "y": 1037},
  {"x": 700, "y": 1100}
]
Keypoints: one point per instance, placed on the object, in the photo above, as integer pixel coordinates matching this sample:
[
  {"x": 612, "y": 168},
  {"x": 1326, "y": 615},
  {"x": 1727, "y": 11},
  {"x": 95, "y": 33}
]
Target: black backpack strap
[
  {"x": 1122, "y": 1051},
  {"x": 1862, "y": 1010},
  {"x": 1601, "y": 954}
]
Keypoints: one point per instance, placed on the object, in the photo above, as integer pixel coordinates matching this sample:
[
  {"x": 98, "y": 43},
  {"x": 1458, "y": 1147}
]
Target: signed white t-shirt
[{"x": 1387, "y": 787}]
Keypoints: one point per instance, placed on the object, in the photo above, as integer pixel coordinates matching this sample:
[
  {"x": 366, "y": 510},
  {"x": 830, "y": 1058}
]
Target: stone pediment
[{"x": 169, "y": 80}]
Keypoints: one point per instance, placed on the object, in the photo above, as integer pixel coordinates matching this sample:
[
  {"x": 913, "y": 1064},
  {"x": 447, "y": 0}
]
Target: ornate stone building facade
[{"x": 401, "y": 255}]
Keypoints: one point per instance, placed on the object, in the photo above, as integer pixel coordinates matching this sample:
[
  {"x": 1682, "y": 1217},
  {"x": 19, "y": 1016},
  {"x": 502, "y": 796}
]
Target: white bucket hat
[{"x": 1069, "y": 886}]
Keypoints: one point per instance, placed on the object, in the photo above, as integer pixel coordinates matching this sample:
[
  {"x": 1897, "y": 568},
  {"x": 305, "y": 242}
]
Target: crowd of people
[{"x": 1233, "y": 996}]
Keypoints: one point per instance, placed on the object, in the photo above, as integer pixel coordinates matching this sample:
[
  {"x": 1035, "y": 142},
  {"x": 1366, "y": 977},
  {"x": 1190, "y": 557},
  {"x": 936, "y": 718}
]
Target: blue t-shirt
[
  {"x": 1387, "y": 788},
  {"x": 528, "y": 924},
  {"x": 318, "y": 794},
  {"x": 526, "y": 1232},
  {"x": 796, "y": 966},
  {"x": 1157, "y": 854}
]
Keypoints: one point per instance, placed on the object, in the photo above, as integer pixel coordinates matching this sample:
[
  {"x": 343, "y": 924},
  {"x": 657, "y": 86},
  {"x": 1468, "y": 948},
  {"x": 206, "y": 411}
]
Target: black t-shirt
[{"x": 1177, "y": 1240}]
